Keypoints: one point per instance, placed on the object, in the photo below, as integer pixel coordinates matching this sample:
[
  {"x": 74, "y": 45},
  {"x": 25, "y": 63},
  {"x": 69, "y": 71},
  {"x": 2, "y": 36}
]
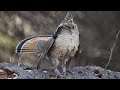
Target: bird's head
[
  {"x": 68, "y": 21},
  {"x": 68, "y": 18}
]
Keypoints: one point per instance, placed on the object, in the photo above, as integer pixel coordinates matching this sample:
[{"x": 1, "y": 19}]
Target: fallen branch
[{"x": 112, "y": 49}]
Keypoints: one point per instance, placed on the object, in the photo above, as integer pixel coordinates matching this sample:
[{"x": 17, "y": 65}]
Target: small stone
[{"x": 45, "y": 71}]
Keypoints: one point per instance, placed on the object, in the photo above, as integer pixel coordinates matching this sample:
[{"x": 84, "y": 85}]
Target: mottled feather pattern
[{"x": 32, "y": 44}]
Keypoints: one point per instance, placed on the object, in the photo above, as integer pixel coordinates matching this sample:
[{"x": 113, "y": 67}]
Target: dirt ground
[{"x": 14, "y": 71}]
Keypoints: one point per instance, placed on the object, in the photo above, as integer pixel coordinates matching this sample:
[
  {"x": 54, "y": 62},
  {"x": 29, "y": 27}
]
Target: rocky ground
[{"x": 13, "y": 71}]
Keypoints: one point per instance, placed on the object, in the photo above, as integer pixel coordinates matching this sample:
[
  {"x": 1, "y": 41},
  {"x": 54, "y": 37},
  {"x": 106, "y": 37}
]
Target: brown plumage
[{"x": 63, "y": 46}]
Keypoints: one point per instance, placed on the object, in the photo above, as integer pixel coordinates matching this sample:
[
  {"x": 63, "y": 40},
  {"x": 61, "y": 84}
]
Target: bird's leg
[
  {"x": 20, "y": 59},
  {"x": 57, "y": 72},
  {"x": 64, "y": 66},
  {"x": 39, "y": 62},
  {"x": 55, "y": 65}
]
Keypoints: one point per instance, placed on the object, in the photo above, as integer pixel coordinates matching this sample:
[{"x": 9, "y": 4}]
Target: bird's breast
[{"x": 67, "y": 43}]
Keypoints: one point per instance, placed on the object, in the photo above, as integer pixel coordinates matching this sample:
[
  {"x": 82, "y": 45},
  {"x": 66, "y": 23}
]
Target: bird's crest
[{"x": 68, "y": 16}]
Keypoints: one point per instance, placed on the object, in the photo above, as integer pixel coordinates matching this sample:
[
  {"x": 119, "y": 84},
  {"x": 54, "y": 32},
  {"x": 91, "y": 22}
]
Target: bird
[{"x": 61, "y": 47}]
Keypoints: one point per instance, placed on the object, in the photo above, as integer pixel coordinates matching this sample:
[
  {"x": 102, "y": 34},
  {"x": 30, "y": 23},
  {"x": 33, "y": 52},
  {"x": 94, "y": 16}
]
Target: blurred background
[{"x": 98, "y": 31}]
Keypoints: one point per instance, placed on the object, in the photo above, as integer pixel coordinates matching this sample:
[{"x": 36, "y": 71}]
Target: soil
[{"x": 14, "y": 71}]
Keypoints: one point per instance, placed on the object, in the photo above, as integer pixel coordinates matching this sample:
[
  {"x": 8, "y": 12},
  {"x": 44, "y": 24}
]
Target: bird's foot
[
  {"x": 64, "y": 71},
  {"x": 58, "y": 74},
  {"x": 68, "y": 71},
  {"x": 63, "y": 74},
  {"x": 55, "y": 76}
]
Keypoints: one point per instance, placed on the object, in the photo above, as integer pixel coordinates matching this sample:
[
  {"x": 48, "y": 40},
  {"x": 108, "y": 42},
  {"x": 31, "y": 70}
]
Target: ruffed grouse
[{"x": 63, "y": 46}]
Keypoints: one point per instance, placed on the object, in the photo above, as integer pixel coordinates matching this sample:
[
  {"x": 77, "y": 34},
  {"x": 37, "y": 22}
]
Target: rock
[{"x": 13, "y": 71}]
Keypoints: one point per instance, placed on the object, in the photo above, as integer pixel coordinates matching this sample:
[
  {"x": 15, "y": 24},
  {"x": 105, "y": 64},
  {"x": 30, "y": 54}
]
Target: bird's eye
[{"x": 68, "y": 20}]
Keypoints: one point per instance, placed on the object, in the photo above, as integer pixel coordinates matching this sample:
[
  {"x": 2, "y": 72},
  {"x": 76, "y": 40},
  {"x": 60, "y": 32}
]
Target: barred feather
[{"x": 33, "y": 44}]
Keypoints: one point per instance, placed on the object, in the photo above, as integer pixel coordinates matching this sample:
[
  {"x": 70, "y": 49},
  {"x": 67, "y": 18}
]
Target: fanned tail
[{"x": 33, "y": 44}]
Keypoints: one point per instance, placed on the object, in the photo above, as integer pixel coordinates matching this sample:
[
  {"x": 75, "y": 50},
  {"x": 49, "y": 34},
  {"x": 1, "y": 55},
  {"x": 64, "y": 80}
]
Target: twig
[{"x": 112, "y": 49}]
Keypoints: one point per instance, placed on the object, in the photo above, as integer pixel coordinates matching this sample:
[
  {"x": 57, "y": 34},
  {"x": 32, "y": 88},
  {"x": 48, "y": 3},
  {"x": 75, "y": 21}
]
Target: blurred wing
[{"x": 35, "y": 44}]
